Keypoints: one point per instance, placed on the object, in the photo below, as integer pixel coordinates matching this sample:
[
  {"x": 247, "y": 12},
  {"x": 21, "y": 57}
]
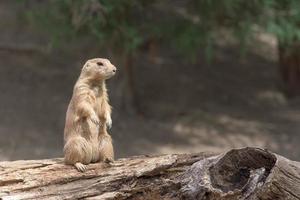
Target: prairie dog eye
[{"x": 99, "y": 63}]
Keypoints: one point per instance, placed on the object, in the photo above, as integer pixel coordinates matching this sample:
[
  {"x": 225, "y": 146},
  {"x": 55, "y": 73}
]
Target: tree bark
[{"x": 244, "y": 174}]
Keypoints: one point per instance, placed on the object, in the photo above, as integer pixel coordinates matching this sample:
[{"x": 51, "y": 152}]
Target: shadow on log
[{"x": 244, "y": 174}]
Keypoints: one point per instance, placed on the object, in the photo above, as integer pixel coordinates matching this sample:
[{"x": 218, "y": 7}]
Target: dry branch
[{"x": 246, "y": 174}]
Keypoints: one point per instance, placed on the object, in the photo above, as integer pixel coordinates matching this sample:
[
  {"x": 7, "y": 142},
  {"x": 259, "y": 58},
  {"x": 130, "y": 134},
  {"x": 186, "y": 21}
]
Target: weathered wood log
[{"x": 245, "y": 174}]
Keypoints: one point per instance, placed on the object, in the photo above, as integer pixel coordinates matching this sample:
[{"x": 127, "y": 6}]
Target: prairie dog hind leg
[
  {"x": 106, "y": 149},
  {"x": 78, "y": 152}
]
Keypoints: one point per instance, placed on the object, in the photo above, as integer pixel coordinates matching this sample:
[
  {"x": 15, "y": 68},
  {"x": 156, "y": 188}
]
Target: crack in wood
[{"x": 10, "y": 182}]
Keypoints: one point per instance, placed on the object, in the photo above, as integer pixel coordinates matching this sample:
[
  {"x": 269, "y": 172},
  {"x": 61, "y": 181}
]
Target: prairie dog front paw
[{"x": 108, "y": 122}]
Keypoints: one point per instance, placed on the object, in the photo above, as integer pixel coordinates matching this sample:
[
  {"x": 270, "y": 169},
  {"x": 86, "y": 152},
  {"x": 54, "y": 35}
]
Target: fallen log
[{"x": 244, "y": 174}]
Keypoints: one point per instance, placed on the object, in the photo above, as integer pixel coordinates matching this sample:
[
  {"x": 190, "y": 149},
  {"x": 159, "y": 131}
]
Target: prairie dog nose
[{"x": 114, "y": 70}]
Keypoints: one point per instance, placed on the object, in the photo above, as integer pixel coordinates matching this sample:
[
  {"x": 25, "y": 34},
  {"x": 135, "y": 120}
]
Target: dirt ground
[{"x": 187, "y": 107}]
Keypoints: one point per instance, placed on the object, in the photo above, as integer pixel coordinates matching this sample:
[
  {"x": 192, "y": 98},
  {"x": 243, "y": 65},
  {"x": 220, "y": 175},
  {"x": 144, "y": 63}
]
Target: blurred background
[{"x": 194, "y": 75}]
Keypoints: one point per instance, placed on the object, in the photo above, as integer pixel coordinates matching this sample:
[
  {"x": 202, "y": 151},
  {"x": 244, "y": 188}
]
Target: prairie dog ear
[{"x": 86, "y": 65}]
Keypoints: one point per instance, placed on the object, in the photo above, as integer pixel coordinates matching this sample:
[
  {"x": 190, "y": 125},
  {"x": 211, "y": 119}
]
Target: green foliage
[
  {"x": 110, "y": 22},
  {"x": 284, "y": 19},
  {"x": 187, "y": 25}
]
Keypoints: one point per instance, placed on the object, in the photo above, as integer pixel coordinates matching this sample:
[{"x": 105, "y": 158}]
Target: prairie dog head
[{"x": 99, "y": 68}]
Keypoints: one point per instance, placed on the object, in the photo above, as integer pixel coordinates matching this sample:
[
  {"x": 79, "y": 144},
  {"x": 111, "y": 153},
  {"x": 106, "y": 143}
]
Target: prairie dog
[{"x": 88, "y": 116}]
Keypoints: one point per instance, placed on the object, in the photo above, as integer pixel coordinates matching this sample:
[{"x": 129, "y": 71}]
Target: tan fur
[{"x": 88, "y": 115}]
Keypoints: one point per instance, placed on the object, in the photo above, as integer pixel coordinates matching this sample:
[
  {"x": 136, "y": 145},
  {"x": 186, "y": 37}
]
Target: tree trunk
[
  {"x": 244, "y": 174},
  {"x": 289, "y": 61},
  {"x": 129, "y": 98}
]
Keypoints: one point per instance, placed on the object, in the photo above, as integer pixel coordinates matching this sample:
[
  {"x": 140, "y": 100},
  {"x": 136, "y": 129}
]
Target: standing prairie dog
[{"x": 88, "y": 116}]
